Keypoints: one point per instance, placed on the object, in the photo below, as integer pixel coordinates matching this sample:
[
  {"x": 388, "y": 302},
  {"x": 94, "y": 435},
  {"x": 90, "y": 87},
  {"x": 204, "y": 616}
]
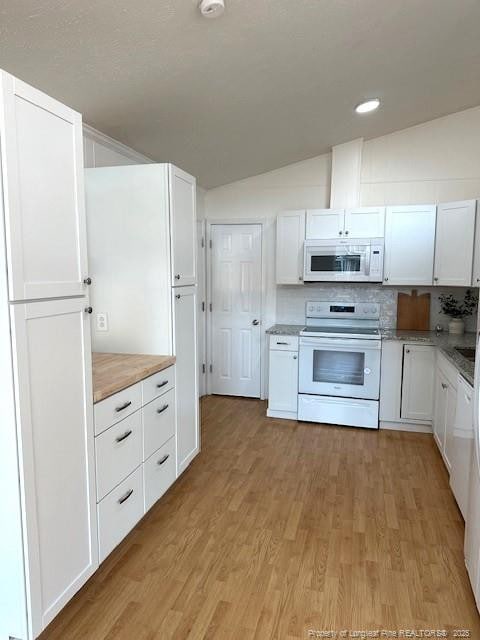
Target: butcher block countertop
[{"x": 113, "y": 372}]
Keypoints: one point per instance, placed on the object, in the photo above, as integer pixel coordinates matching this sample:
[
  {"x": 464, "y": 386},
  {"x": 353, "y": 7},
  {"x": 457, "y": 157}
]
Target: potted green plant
[{"x": 457, "y": 310}]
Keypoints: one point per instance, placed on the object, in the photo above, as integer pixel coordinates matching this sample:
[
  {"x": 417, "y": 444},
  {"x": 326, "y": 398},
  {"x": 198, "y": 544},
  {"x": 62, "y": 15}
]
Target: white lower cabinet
[
  {"x": 463, "y": 445},
  {"x": 186, "y": 375},
  {"x": 406, "y": 384},
  {"x": 119, "y": 512},
  {"x": 417, "y": 382},
  {"x": 135, "y": 457},
  {"x": 159, "y": 473},
  {"x": 283, "y": 377},
  {"x": 445, "y": 407}
]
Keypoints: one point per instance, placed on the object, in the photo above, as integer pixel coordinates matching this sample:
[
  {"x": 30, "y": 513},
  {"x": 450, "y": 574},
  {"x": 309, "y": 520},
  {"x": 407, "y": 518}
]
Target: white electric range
[{"x": 339, "y": 364}]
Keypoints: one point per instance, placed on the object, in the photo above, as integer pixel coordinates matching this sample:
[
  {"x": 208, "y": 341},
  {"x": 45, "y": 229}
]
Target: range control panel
[{"x": 363, "y": 310}]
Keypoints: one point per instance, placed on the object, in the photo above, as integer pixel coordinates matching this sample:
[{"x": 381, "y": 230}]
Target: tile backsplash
[{"x": 291, "y": 301}]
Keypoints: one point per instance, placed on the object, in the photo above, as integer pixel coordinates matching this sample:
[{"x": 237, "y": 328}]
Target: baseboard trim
[
  {"x": 406, "y": 426},
  {"x": 285, "y": 415}
]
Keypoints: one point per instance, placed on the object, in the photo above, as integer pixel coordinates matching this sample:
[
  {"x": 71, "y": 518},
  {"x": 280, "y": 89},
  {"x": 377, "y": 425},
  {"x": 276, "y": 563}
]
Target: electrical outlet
[{"x": 102, "y": 322}]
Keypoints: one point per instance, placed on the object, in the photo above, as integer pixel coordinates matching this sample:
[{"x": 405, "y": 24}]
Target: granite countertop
[
  {"x": 113, "y": 372},
  {"x": 285, "y": 329},
  {"x": 446, "y": 342}
]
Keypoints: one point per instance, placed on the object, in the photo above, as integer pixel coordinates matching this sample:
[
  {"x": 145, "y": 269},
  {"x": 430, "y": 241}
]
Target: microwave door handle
[{"x": 367, "y": 261}]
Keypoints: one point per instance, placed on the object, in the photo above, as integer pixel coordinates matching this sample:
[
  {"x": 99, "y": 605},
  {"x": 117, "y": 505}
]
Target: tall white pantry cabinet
[
  {"x": 48, "y": 545},
  {"x": 141, "y": 222}
]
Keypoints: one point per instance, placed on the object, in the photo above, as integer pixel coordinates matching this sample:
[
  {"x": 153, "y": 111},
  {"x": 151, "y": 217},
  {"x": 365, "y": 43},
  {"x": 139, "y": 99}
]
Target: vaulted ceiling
[{"x": 269, "y": 83}]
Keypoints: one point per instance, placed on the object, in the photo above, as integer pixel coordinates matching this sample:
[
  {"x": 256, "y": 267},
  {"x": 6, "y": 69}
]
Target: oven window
[
  {"x": 339, "y": 367},
  {"x": 336, "y": 264}
]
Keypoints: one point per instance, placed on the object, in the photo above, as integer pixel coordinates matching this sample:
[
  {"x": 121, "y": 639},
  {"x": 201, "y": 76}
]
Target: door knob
[
  {"x": 88, "y": 310},
  {"x": 255, "y": 322},
  {"x": 87, "y": 281}
]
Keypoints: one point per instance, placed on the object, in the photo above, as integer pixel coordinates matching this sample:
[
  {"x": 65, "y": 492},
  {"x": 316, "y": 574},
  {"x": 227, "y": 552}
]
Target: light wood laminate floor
[{"x": 280, "y": 527}]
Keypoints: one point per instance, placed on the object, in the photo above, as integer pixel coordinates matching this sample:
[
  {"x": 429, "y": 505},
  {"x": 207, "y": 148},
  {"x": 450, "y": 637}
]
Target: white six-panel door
[
  {"x": 186, "y": 375},
  {"x": 42, "y": 158},
  {"x": 183, "y": 227},
  {"x": 236, "y": 267},
  {"x": 52, "y": 370}
]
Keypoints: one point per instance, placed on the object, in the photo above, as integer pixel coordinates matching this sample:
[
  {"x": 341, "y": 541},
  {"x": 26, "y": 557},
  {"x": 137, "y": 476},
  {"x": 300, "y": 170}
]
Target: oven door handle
[{"x": 331, "y": 344}]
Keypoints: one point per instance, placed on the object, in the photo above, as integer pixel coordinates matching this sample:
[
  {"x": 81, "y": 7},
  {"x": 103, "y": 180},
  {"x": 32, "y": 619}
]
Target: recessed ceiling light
[
  {"x": 368, "y": 105},
  {"x": 212, "y": 8}
]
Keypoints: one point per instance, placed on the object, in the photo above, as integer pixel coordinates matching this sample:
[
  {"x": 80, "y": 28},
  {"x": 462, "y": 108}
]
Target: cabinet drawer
[
  {"x": 158, "y": 384},
  {"x": 119, "y": 512},
  {"x": 159, "y": 473},
  {"x": 158, "y": 423},
  {"x": 284, "y": 343},
  {"x": 118, "y": 451},
  {"x": 117, "y": 407}
]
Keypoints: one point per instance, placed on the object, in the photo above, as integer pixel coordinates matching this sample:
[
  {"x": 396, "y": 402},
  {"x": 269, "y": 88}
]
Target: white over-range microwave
[{"x": 352, "y": 260}]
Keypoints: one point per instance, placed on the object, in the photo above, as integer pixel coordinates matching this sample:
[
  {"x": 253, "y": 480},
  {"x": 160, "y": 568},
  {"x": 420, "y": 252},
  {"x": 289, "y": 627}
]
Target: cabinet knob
[
  {"x": 177, "y": 277},
  {"x": 478, "y": 279},
  {"x": 340, "y": 233},
  {"x": 295, "y": 357},
  {"x": 346, "y": 233},
  {"x": 407, "y": 350},
  {"x": 385, "y": 279},
  {"x": 301, "y": 278},
  {"x": 444, "y": 386},
  {"x": 255, "y": 323},
  {"x": 87, "y": 281},
  {"x": 435, "y": 279},
  {"x": 178, "y": 296},
  {"x": 88, "y": 310}
]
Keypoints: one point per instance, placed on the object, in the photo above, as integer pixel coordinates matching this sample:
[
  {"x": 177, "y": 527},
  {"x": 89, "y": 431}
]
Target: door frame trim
[{"x": 211, "y": 222}]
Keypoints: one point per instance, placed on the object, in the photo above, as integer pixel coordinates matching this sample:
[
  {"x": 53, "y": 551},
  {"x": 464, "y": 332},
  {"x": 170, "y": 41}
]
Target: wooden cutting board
[{"x": 413, "y": 311}]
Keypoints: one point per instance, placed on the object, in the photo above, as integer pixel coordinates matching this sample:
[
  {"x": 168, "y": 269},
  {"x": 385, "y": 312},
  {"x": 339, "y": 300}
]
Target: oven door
[
  {"x": 349, "y": 368},
  {"x": 337, "y": 262}
]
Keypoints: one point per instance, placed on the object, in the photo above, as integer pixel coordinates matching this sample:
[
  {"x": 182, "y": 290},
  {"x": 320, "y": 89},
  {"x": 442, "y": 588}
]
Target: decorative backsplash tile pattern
[{"x": 291, "y": 301}]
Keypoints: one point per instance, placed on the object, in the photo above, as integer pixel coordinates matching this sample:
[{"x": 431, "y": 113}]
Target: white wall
[{"x": 438, "y": 161}]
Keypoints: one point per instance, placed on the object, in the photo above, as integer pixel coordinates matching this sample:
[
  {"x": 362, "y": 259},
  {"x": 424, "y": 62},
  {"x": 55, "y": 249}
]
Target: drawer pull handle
[
  {"x": 285, "y": 343},
  {"x": 164, "y": 459},
  {"x": 125, "y": 497},
  {"x": 123, "y": 407},
  {"x": 164, "y": 408},
  {"x": 162, "y": 384},
  {"x": 125, "y": 436}
]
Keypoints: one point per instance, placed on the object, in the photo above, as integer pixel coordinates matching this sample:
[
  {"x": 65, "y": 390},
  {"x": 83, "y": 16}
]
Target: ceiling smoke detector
[{"x": 212, "y": 8}]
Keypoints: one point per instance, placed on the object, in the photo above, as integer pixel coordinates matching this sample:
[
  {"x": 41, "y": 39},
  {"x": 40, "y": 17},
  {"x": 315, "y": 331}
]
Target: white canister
[{"x": 456, "y": 325}]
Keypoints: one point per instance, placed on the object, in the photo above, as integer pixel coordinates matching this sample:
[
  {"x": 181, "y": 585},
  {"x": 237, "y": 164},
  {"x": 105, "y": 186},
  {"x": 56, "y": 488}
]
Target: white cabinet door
[
  {"x": 283, "y": 381},
  {"x": 409, "y": 245},
  {"x": 454, "y": 244},
  {"x": 52, "y": 367},
  {"x": 42, "y": 166},
  {"x": 440, "y": 409},
  {"x": 365, "y": 222},
  {"x": 324, "y": 224},
  {"x": 186, "y": 376},
  {"x": 463, "y": 445},
  {"x": 418, "y": 382},
  {"x": 391, "y": 380},
  {"x": 183, "y": 227},
  {"x": 290, "y": 242},
  {"x": 476, "y": 250},
  {"x": 450, "y": 425}
]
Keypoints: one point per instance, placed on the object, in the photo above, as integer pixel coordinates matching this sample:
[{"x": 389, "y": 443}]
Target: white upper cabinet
[
  {"x": 324, "y": 224},
  {"x": 183, "y": 228},
  {"x": 454, "y": 244},
  {"x": 418, "y": 382},
  {"x": 365, "y": 222},
  {"x": 409, "y": 245},
  {"x": 290, "y": 241},
  {"x": 55, "y": 432},
  {"x": 42, "y": 166},
  {"x": 329, "y": 224},
  {"x": 476, "y": 253},
  {"x": 186, "y": 376}
]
